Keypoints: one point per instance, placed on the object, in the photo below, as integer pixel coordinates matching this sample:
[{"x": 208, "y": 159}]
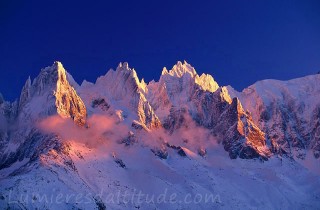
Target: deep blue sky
[{"x": 238, "y": 42}]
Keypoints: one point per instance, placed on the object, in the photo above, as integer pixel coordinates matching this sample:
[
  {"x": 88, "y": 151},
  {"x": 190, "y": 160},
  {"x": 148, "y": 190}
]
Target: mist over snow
[{"x": 98, "y": 129}]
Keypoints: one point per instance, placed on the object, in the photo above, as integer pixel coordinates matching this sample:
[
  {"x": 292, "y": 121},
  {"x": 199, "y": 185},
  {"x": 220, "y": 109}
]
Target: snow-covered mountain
[
  {"x": 182, "y": 142},
  {"x": 288, "y": 111}
]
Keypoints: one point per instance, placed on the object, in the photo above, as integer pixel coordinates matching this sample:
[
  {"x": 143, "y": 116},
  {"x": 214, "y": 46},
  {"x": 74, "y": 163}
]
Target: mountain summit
[
  {"x": 68, "y": 103},
  {"x": 50, "y": 93}
]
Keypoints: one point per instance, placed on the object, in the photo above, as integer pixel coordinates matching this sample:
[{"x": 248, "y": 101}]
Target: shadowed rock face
[
  {"x": 287, "y": 112},
  {"x": 123, "y": 87},
  {"x": 101, "y": 103},
  {"x": 34, "y": 145}
]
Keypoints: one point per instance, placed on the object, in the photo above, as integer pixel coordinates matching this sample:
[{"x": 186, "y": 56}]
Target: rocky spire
[
  {"x": 189, "y": 77},
  {"x": 179, "y": 69},
  {"x": 25, "y": 93},
  {"x": 51, "y": 93},
  {"x": 68, "y": 103}
]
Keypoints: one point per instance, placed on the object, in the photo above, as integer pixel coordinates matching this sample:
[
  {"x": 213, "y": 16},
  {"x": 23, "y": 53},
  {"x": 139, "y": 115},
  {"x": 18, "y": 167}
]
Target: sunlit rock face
[
  {"x": 180, "y": 70},
  {"x": 68, "y": 103},
  {"x": 51, "y": 93}
]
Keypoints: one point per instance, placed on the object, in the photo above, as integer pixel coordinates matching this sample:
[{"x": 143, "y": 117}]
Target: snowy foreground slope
[{"x": 182, "y": 142}]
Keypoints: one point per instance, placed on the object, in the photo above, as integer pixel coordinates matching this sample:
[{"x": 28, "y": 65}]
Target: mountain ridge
[
  {"x": 150, "y": 103},
  {"x": 182, "y": 134}
]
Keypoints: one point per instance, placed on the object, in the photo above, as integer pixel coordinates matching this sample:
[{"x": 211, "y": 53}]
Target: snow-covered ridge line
[
  {"x": 274, "y": 116},
  {"x": 171, "y": 136}
]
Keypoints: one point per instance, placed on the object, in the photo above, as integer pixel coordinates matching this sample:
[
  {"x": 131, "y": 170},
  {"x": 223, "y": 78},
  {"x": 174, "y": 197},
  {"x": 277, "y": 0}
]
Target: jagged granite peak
[
  {"x": 121, "y": 82},
  {"x": 188, "y": 76},
  {"x": 179, "y": 86},
  {"x": 51, "y": 93},
  {"x": 206, "y": 82},
  {"x": 241, "y": 137},
  {"x": 179, "y": 69},
  {"x": 123, "y": 89},
  {"x": 68, "y": 103},
  {"x": 143, "y": 86},
  {"x": 25, "y": 93},
  {"x": 47, "y": 79},
  {"x": 224, "y": 94},
  {"x": 164, "y": 71},
  {"x": 125, "y": 69}
]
